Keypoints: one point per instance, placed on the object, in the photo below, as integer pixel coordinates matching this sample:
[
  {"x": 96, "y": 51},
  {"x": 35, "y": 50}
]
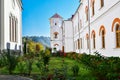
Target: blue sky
[{"x": 36, "y": 14}]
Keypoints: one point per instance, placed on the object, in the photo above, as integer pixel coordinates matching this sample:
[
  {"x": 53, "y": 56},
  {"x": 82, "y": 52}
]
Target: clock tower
[{"x": 56, "y": 32}]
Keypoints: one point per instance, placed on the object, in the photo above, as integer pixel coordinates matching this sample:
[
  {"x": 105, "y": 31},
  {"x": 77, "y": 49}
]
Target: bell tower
[{"x": 56, "y": 32}]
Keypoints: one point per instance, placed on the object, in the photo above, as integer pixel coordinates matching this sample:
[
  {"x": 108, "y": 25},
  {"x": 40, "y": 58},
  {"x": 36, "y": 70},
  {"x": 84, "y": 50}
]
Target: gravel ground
[{"x": 13, "y": 77}]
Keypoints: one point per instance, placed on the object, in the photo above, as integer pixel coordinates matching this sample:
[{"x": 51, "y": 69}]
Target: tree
[{"x": 39, "y": 47}]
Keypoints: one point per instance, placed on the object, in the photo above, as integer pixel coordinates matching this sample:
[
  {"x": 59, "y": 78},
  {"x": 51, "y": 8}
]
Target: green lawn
[{"x": 84, "y": 74}]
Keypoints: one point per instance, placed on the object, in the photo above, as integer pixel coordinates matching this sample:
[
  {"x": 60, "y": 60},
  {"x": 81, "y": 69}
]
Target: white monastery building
[
  {"x": 95, "y": 26},
  {"x": 11, "y": 24}
]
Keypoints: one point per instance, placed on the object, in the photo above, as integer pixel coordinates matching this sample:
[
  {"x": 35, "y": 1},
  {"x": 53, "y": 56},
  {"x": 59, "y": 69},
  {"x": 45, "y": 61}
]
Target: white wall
[
  {"x": 68, "y": 38},
  {"x": 17, "y": 12},
  {"x": 103, "y": 16}
]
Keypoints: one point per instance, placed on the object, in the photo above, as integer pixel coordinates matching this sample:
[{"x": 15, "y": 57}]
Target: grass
[
  {"x": 57, "y": 62},
  {"x": 84, "y": 73}
]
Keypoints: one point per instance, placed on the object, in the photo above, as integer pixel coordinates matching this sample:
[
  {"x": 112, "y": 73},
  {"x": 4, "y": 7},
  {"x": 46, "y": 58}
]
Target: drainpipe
[
  {"x": 79, "y": 31},
  {"x": 89, "y": 26},
  {"x": 73, "y": 37}
]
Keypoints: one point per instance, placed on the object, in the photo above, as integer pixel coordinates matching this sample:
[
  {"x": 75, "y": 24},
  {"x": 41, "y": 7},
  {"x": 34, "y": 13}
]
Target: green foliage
[
  {"x": 104, "y": 68},
  {"x": 31, "y": 47},
  {"x": 46, "y": 60},
  {"x": 21, "y": 67},
  {"x": 10, "y": 60},
  {"x": 29, "y": 64},
  {"x": 75, "y": 70},
  {"x": 61, "y": 73},
  {"x": 45, "y": 55},
  {"x": 72, "y": 55},
  {"x": 2, "y": 60},
  {"x": 43, "y": 61},
  {"x": 40, "y": 66}
]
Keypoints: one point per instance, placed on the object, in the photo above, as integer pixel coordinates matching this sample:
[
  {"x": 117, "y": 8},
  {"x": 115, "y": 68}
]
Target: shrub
[
  {"x": 21, "y": 67},
  {"x": 29, "y": 64},
  {"x": 11, "y": 61},
  {"x": 104, "y": 68}
]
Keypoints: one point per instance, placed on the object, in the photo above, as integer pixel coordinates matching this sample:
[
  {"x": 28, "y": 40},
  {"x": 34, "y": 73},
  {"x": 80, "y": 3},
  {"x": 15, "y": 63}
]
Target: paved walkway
[{"x": 13, "y": 77}]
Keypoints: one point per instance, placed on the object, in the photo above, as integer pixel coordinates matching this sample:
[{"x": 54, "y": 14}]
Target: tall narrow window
[
  {"x": 55, "y": 34},
  {"x": 93, "y": 8},
  {"x": 78, "y": 44},
  {"x": 101, "y": 3},
  {"x": 86, "y": 12},
  {"x": 94, "y": 41},
  {"x": 118, "y": 36},
  {"x": 102, "y": 34},
  {"x": 81, "y": 42},
  {"x": 87, "y": 39},
  {"x": 103, "y": 39},
  {"x": 15, "y": 31},
  {"x": 10, "y": 27},
  {"x": 80, "y": 23},
  {"x": 93, "y": 38}
]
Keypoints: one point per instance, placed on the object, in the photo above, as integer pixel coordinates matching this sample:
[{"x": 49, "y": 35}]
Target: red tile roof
[{"x": 56, "y": 16}]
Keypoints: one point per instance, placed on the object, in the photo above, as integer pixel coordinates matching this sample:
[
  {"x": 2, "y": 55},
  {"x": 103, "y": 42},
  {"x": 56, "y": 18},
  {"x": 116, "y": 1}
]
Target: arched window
[
  {"x": 103, "y": 39},
  {"x": 86, "y": 12},
  {"x": 93, "y": 36},
  {"x": 101, "y": 3},
  {"x": 102, "y": 33},
  {"x": 87, "y": 39},
  {"x": 116, "y": 28},
  {"x": 13, "y": 29},
  {"x": 118, "y": 36},
  {"x": 16, "y": 27},
  {"x": 93, "y": 7},
  {"x": 78, "y": 44},
  {"x": 55, "y": 34},
  {"x": 56, "y": 44}
]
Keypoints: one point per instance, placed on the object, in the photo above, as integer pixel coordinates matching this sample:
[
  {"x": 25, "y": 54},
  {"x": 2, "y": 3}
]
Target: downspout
[
  {"x": 0, "y": 24},
  {"x": 79, "y": 31},
  {"x": 89, "y": 26},
  {"x": 2, "y": 45},
  {"x": 73, "y": 37}
]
